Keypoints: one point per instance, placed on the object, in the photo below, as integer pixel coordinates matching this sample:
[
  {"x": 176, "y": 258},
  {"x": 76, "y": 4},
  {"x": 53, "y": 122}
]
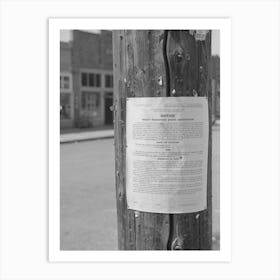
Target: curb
[
  {"x": 84, "y": 136},
  {"x": 85, "y": 139}
]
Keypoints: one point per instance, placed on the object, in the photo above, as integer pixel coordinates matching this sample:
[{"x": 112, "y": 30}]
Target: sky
[{"x": 66, "y": 35}]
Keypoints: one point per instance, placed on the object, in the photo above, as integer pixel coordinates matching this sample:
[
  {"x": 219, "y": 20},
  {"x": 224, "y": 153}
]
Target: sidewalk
[{"x": 85, "y": 135}]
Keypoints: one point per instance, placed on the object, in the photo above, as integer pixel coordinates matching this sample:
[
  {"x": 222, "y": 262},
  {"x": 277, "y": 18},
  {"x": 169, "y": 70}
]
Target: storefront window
[
  {"x": 65, "y": 106},
  {"x": 90, "y": 101}
]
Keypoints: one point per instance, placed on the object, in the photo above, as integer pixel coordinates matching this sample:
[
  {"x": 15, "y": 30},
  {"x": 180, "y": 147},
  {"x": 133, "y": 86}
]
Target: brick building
[
  {"x": 66, "y": 87},
  {"x": 90, "y": 72}
]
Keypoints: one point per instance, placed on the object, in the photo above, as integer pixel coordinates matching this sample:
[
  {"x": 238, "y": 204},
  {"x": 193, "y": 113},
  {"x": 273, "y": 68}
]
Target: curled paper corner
[{"x": 200, "y": 35}]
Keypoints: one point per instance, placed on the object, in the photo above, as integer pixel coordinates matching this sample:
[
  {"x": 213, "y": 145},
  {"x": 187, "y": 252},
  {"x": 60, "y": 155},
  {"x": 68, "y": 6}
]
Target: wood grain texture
[
  {"x": 189, "y": 64},
  {"x": 140, "y": 70}
]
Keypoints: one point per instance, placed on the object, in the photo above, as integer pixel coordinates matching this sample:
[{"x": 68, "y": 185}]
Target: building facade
[
  {"x": 66, "y": 86},
  {"x": 91, "y": 78},
  {"x": 86, "y": 80}
]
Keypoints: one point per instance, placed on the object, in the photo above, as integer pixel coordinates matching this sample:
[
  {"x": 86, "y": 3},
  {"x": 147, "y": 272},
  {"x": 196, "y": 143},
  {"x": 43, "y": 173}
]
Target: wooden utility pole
[{"x": 159, "y": 63}]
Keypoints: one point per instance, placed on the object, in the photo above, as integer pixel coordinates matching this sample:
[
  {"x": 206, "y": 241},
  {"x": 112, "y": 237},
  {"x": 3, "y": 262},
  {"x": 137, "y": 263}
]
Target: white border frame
[{"x": 55, "y": 254}]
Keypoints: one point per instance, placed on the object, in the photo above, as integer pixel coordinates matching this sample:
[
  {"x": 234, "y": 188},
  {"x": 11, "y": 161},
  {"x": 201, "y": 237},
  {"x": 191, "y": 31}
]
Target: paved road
[{"x": 88, "y": 205}]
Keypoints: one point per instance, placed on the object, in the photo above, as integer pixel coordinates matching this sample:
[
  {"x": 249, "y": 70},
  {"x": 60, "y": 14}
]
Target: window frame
[
  {"x": 85, "y": 93},
  {"x": 69, "y": 76},
  {"x": 111, "y": 83},
  {"x": 68, "y": 95},
  {"x": 94, "y": 79}
]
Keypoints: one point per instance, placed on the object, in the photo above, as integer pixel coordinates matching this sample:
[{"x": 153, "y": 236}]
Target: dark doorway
[{"x": 108, "y": 104}]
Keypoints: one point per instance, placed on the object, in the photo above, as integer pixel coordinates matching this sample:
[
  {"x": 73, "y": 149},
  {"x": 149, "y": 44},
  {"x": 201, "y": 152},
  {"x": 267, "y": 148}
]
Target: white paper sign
[{"x": 166, "y": 154}]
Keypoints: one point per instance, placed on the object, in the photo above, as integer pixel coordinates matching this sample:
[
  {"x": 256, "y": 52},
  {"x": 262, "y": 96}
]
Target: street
[
  {"x": 88, "y": 204},
  {"x": 88, "y": 219}
]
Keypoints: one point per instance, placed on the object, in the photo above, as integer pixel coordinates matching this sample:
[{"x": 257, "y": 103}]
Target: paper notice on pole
[{"x": 166, "y": 154}]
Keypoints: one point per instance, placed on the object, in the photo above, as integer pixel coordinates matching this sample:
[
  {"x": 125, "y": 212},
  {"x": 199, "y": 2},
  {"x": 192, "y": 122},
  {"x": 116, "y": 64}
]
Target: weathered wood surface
[
  {"x": 189, "y": 66},
  {"x": 158, "y": 63}
]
